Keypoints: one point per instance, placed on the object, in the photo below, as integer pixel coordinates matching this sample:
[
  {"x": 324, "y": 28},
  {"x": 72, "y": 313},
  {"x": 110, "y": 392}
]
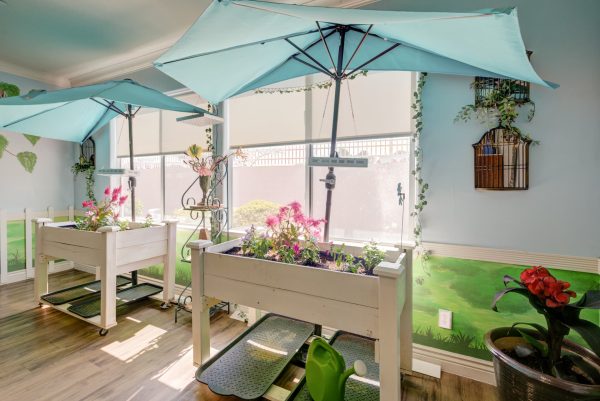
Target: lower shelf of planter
[{"x": 88, "y": 307}]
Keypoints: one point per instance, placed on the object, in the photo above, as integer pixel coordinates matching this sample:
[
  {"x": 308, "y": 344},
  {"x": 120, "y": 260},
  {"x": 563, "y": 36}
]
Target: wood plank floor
[{"x": 47, "y": 355}]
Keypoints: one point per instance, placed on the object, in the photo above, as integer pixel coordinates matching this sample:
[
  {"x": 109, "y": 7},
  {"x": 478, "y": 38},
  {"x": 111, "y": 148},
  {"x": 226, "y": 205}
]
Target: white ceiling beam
[{"x": 40, "y": 76}]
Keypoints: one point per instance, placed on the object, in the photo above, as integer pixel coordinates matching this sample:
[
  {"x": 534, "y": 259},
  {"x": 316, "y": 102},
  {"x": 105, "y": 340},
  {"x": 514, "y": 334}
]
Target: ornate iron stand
[{"x": 219, "y": 227}]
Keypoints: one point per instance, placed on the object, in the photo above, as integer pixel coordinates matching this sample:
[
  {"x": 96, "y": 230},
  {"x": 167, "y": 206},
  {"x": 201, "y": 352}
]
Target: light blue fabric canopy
[
  {"x": 239, "y": 45},
  {"x": 76, "y": 113}
]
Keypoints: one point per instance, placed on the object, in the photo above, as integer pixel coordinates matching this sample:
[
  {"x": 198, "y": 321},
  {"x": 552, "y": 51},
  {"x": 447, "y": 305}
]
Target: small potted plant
[{"x": 538, "y": 363}]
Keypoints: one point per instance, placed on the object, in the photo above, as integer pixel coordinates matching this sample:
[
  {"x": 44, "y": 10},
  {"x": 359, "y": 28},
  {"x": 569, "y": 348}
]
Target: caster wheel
[
  {"x": 165, "y": 305},
  {"x": 103, "y": 332}
]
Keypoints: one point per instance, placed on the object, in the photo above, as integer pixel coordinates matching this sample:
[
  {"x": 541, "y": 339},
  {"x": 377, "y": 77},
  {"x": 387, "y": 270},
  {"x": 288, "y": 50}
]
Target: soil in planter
[
  {"x": 570, "y": 371},
  {"x": 327, "y": 261}
]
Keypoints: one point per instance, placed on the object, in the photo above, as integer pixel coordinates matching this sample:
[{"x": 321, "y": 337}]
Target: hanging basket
[
  {"x": 501, "y": 161},
  {"x": 88, "y": 151}
]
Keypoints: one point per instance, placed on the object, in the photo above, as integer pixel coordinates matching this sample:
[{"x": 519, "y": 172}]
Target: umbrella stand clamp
[{"x": 329, "y": 180}]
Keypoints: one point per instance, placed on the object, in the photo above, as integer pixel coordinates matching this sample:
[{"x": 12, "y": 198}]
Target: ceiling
[{"x": 76, "y": 42}]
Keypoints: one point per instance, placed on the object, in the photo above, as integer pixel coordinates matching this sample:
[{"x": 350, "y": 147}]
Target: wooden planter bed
[
  {"x": 378, "y": 306},
  {"x": 112, "y": 251}
]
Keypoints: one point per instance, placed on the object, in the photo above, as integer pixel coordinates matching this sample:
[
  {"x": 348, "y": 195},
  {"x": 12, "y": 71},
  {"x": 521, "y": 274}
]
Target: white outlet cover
[{"x": 445, "y": 319}]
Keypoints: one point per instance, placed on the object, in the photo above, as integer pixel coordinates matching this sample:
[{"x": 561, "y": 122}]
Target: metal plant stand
[{"x": 214, "y": 212}]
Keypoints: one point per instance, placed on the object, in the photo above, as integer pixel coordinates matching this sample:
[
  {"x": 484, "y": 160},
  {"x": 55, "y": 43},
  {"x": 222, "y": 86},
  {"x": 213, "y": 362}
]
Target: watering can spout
[{"x": 326, "y": 375}]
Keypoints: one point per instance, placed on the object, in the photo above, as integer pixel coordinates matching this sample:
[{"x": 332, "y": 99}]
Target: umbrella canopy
[
  {"x": 254, "y": 44},
  {"x": 76, "y": 113}
]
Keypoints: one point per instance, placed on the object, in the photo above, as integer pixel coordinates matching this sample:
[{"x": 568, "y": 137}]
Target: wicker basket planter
[{"x": 517, "y": 382}]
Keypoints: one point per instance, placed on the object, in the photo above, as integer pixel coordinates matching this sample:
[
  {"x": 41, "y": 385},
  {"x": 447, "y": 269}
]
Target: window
[{"x": 374, "y": 123}]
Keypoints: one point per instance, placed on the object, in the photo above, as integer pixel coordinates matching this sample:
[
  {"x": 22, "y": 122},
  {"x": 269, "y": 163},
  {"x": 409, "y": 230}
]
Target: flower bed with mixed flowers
[
  {"x": 292, "y": 237},
  {"x": 544, "y": 351},
  {"x": 105, "y": 212}
]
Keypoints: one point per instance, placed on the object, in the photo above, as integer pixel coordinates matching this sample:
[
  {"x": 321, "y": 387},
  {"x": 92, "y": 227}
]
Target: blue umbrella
[
  {"x": 254, "y": 43},
  {"x": 75, "y": 114}
]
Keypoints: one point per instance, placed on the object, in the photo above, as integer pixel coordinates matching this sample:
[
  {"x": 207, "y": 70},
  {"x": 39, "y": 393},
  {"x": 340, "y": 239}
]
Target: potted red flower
[{"x": 538, "y": 363}]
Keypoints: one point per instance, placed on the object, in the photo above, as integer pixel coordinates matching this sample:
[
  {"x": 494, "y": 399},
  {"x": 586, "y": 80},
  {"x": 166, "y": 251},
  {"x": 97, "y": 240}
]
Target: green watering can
[{"x": 325, "y": 372}]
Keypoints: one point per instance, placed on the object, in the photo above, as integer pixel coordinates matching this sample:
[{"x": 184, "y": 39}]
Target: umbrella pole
[
  {"x": 330, "y": 178},
  {"x": 134, "y": 275}
]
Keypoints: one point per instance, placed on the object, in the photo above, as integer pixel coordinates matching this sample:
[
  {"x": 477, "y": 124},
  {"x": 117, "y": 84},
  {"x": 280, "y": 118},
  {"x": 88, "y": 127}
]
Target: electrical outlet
[{"x": 445, "y": 319}]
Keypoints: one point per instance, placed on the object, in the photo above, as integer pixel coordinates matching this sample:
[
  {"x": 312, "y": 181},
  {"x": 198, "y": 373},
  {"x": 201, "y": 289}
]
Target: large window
[{"x": 374, "y": 123}]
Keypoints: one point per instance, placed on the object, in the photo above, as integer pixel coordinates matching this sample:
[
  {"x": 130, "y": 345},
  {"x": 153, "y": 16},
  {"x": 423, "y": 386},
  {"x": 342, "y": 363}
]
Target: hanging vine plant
[
  {"x": 422, "y": 186},
  {"x": 499, "y": 108},
  {"x": 87, "y": 168},
  {"x": 27, "y": 159}
]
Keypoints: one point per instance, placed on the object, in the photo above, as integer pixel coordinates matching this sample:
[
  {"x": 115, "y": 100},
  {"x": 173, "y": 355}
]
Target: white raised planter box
[
  {"x": 112, "y": 251},
  {"x": 378, "y": 306}
]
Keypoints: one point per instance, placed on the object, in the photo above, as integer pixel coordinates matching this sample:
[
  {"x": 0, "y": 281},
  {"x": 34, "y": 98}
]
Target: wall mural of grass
[
  {"x": 16, "y": 245},
  {"x": 466, "y": 287}
]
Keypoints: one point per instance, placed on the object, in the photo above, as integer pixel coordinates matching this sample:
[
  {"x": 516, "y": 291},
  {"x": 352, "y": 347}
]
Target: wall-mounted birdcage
[
  {"x": 502, "y": 160},
  {"x": 485, "y": 88}
]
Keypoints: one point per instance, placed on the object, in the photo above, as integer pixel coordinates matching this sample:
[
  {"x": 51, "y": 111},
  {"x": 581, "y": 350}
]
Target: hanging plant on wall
[
  {"x": 27, "y": 159},
  {"x": 87, "y": 168},
  {"x": 422, "y": 186},
  {"x": 499, "y": 108}
]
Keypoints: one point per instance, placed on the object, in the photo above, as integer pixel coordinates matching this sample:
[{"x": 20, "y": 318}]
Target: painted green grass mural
[
  {"x": 466, "y": 287},
  {"x": 16, "y": 245}
]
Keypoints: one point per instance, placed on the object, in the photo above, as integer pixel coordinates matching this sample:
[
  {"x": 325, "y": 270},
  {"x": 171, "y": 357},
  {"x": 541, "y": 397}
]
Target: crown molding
[{"x": 35, "y": 75}]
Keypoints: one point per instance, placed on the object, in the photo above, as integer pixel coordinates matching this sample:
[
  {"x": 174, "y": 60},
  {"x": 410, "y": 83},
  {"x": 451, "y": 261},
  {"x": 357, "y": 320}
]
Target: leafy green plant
[
  {"x": 372, "y": 256},
  {"x": 310, "y": 254},
  {"x": 8, "y": 90},
  {"x": 499, "y": 108},
  {"x": 286, "y": 254},
  {"x": 87, "y": 168},
  {"x": 550, "y": 298}
]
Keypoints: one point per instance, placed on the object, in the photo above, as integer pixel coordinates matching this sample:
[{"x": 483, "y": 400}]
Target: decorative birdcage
[
  {"x": 501, "y": 160},
  {"x": 88, "y": 151},
  {"x": 485, "y": 87}
]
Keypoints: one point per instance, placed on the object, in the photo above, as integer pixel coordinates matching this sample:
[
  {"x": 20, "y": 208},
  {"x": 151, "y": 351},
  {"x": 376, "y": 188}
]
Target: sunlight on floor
[
  {"x": 143, "y": 341},
  {"x": 182, "y": 371}
]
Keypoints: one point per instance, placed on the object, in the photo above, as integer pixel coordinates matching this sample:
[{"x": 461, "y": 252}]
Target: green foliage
[
  {"x": 33, "y": 139},
  {"x": 27, "y": 160},
  {"x": 8, "y": 90},
  {"x": 497, "y": 108},
  {"x": 255, "y": 245},
  {"x": 87, "y": 168},
  {"x": 3, "y": 144},
  {"x": 286, "y": 254},
  {"x": 372, "y": 256},
  {"x": 310, "y": 254}
]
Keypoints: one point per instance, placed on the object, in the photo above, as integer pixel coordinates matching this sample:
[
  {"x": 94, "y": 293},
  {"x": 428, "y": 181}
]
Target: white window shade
[
  {"x": 177, "y": 136},
  {"x": 374, "y": 105},
  {"x": 145, "y": 134},
  {"x": 264, "y": 119}
]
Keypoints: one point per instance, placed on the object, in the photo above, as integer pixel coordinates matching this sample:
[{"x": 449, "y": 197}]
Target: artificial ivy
[
  {"x": 499, "y": 108},
  {"x": 86, "y": 167},
  {"x": 422, "y": 186},
  {"x": 298, "y": 89}
]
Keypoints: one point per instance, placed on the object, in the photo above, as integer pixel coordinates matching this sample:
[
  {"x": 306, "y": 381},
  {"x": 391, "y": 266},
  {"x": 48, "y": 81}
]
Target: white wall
[
  {"x": 51, "y": 183},
  {"x": 560, "y": 213}
]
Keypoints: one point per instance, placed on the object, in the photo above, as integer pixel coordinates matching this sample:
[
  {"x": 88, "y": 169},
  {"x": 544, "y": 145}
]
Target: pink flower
[
  {"x": 296, "y": 249},
  {"x": 122, "y": 200},
  {"x": 107, "y": 191},
  {"x": 299, "y": 218},
  {"x": 272, "y": 221},
  {"x": 296, "y": 207},
  {"x": 283, "y": 210},
  {"x": 204, "y": 171},
  {"x": 87, "y": 203}
]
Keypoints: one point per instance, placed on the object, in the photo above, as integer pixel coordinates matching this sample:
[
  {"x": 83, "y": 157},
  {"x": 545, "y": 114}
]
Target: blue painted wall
[
  {"x": 51, "y": 183},
  {"x": 560, "y": 213}
]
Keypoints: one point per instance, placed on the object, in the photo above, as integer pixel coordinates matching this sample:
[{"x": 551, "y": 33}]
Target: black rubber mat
[
  {"x": 90, "y": 305},
  {"x": 352, "y": 347},
  {"x": 249, "y": 366},
  {"x": 67, "y": 295}
]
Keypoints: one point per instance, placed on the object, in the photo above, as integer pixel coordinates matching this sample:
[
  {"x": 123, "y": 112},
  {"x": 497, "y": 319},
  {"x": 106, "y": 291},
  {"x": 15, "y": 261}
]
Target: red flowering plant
[
  {"x": 550, "y": 297},
  {"x": 103, "y": 213}
]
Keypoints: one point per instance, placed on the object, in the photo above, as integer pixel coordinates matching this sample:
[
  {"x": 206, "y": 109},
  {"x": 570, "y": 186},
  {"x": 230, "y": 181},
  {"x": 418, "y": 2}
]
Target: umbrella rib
[
  {"x": 357, "y": 47},
  {"x": 243, "y": 45},
  {"x": 312, "y": 66},
  {"x": 36, "y": 114},
  {"x": 95, "y": 127},
  {"x": 110, "y": 106},
  {"x": 324, "y": 39},
  {"x": 321, "y": 66},
  {"x": 383, "y": 53}
]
